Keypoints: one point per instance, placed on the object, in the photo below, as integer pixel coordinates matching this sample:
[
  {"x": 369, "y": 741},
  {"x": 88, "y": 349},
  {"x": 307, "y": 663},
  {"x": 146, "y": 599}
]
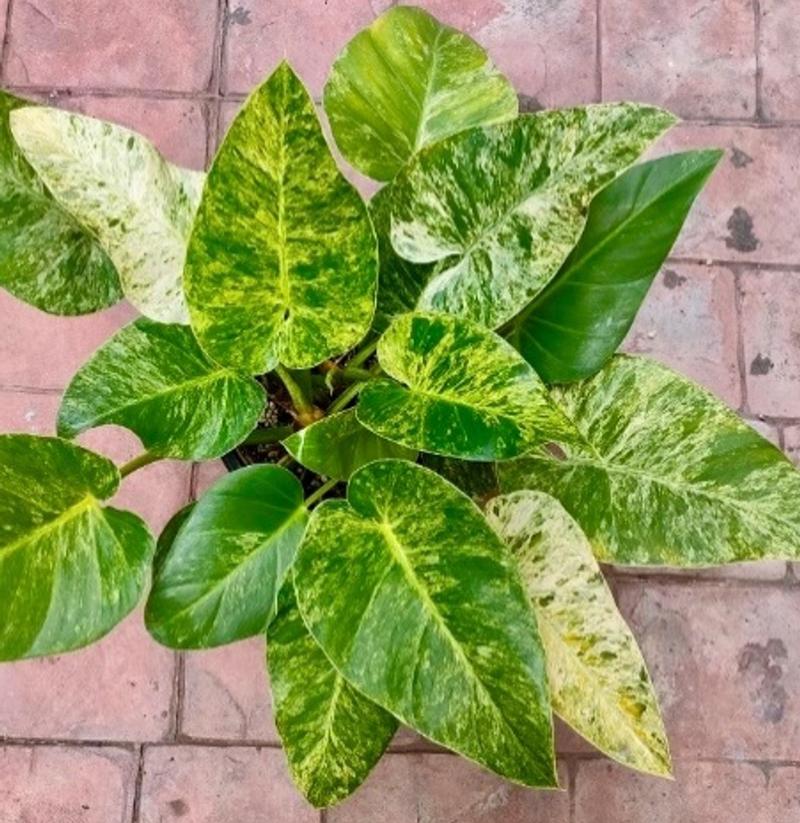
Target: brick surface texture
[{"x": 129, "y": 732}]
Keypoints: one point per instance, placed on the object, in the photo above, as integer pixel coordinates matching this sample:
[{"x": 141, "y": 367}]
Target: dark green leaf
[
  {"x": 70, "y": 568},
  {"x": 47, "y": 258},
  {"x": 156, "y": 381},
  {"x": 498, "y": 209},
  {"x": 408, "y": 81},
  {"x": 338, "y": 445},
  {"x": 469, "y": 394},
  {"x": 419, "y": 605},
  {"x": 332, "y": 735},
  {"x": 219, "y": 580},
  {"x": 282, "y": 262},
  {"x": 667, "y": 474},
  {"x": 572, "y": 327}
]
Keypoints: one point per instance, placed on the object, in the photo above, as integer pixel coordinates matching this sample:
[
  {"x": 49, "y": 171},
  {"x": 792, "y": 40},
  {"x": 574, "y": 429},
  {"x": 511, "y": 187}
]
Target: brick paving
[{"x": 127, "y": 731}]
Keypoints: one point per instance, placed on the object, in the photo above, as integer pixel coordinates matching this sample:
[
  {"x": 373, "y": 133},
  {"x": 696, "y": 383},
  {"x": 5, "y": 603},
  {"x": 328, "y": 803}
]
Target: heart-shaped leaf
[
  {"x": 338, "y": 445},
  {"x": 70, "y": 568},
  {"x": 418, "y": 603},
  {"x": 574, "y": 326},
  {"x": 332, "y": 735},
  {"x": 408, "y": 81},
  {"x": 499, "y": 233},
  {"x": 282, "y": 262},
  {"x": 156, "y": 381},
  {"x": 469, "y": 394},
  {"x": 598, "y": 678},
  {"x": 219, "y": 580},
  {"x": 115, "y": 183},
  {"x": 667, "y": 475},
  {"x": 47, "y": 258}
]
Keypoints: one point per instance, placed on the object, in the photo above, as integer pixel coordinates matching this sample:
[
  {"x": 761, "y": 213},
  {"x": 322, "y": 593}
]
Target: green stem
[
  {"x": 362, "y": 355},
  {"x": 299, "y": 400},
  {"x": 355, "y": 373},
  {"x": 144, "y": 459},
  {"x": 345, "y": 397},
  {"x": 321, "y": 491},
  {"x": 267, "y": 436}
]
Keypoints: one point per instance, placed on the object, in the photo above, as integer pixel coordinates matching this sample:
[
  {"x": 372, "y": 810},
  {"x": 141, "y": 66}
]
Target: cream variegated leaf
[
  {"x": 418, "y": 603},
  {"x": 406, "y": 82},
  {"x": 467, "y": 393},
  {"x": 500, "y": 232},
  {"x": 332, "y": 735},
  {"x": 666, "y": 474},
  {"x": 598, "y": 677},
  {"x": 115, "y": 183},
  {"x": 47, "y": 258},
  {"x": 282, "y": 262}
]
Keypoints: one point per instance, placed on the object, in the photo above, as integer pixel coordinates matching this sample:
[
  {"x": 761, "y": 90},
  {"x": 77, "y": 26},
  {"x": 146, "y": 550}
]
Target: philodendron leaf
[
  {"x": 598, "y": 678},
  {"x": 667, "y": 474},
  {"x": 499, "y": 233},
  {"x": 332, "y": 735},
  {"x": 115, "y": 183},
  {"x": 574, "y": 326},
  {"x": 408, "y": 81},
  {"x": 47, "y": 258},
  {"x": 169, "y": 533},
  {"x": 282, "y": 262},
  {"x": 338, "y": 445},
  {"x": 220, "y": 578},
  {"x": 156, "y": 381},
  {"x": 400, "y": 282},
  {"x": 70, "y": 568},
  {"x": 469, "y": 394},
  {"x": 418, "y": 603}
]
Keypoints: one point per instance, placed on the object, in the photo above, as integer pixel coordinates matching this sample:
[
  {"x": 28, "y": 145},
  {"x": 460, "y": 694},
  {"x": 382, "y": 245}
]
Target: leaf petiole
[
  {"x": 138, "y": 462},
  {"x": 321, "y": 491}
]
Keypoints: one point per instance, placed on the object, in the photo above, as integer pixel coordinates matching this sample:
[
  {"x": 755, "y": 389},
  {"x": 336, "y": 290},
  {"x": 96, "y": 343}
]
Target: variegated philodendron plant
[{"x": 444, "y": 445}]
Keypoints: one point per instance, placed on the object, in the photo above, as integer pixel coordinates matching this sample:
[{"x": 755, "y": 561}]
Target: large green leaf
[
  {"x": 577, "y": 322},
  {"x": 667, "y": 474},
  {"x": 469, "y": 394},
  {"x": 418, "y": 603},
  {"x": 282, "y": 262},
  {"x": 332, "y": 735},
  {"x": 598, "y": 678},
  {"x": 46, "y": 257},
  {"x": 408, "y": 81},
  {"x": 70, "y": 568},
  {"x": 219, "y": 579},
  {"x": 338, "y": 445},
  {"x": 115, "y": 183},
  {"x": 156, "y": 381},
  {"x": 499, "y": 208}
]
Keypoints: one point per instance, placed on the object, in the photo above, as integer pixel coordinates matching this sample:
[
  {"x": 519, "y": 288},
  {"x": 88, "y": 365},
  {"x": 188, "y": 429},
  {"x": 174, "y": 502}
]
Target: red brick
[
  {"x": 780, "y": 59},
  {"x": 49, "y": 784},
  {"x": 771, "y": 335},
  {"x": 220, "y": 785},
  {"x": 207, "y": 474},
  {"x": 791, "y": 442},
  {"x": 43, "y": 351},
  {"x": 176, "y": 127},
  {"x": 227, "y": 695},
  {"x": 694, "y": 58},
  {"x": 688, "y": 322},
  {"x": 724, "y": 663},
  {"x": 92, "y": 43},
  {"x": 118, "y": 689},
  {"x": 306, "y": 32},
  {"x": 547, "y": 50},
  {"x": 700, "y": 793},
  {"x": 746, "y": 211},
  {"x": 443, "y": 788}
]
